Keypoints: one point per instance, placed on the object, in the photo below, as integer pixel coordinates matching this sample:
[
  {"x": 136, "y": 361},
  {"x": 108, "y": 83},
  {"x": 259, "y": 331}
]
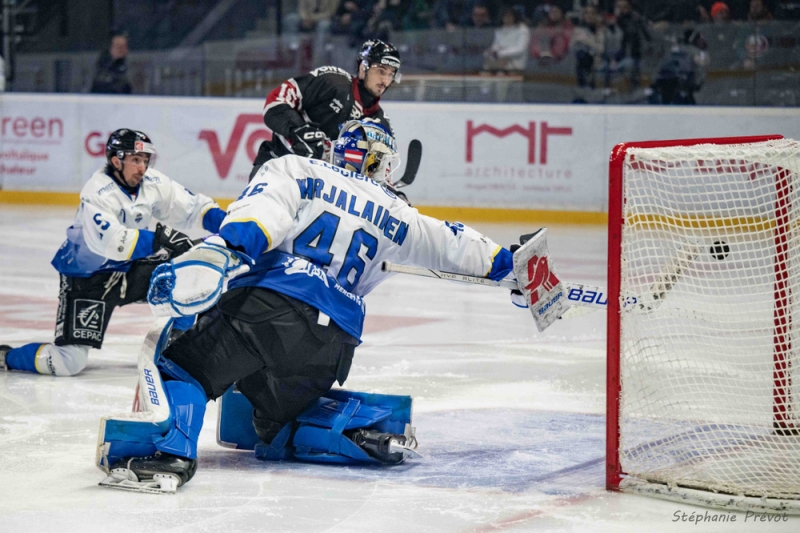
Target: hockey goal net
[{"x": 704, "y": 321}]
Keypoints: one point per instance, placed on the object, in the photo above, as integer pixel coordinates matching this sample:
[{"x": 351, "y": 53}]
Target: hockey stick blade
[
  {"x": 577, "y": 293},
  {"x": 412, "y": 164},
  {"x": 666, "y": 279}
]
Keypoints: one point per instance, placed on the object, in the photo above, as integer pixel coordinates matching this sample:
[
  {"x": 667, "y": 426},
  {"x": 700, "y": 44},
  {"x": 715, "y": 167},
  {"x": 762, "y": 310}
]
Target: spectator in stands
[
  {"x": 537, "y": 14},
  {"x": 509, "y": 50},
  {"x": 347, "y": 16},
  {"x": 418, "y": 15},
  {"x": 480, "y": 17},
  {"x": 111, "y": 76},
  {"x": 679, "y": 12},
  {"x": 752, "y": 41},
  {"x": 386, "y": 16},
  {"x": 634, "y": 33},
  {"x": 589, "y": 45},
  {"x": 316, "y": 14},
  {"x": 450, "y": 14},
  {"x": 720, "y": 13},
  {"x": 758, "y": 12},
  {"x": 550, "y": 39},
  {"x": 682, "y": 71}
]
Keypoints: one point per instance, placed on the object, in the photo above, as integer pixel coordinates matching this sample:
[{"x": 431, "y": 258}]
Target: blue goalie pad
[
  {"x": 319, "y": 429},
  {"x": 319, "y": 437},
  {"x": 170, "y": 415},
  {"x": 235, "y": 421}
]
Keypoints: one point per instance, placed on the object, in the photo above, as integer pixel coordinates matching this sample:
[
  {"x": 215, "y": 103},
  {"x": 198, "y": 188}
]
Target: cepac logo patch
[
  {"x": 223, "y": 159},
  {"x": 87, "y": 322},
  {"x": 539, "y": 275}
]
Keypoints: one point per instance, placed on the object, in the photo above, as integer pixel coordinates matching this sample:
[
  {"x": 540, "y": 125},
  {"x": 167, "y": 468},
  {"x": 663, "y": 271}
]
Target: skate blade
[
  {"x": 124, "y": 479},
  {"x": 408, "y": 453}
]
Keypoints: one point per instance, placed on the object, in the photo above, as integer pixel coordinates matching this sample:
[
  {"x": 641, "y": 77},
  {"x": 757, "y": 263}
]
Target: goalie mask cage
[{"x": 703, "y": 385}]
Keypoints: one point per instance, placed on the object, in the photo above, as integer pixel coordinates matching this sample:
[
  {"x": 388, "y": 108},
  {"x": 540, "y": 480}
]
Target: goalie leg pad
[
  {"x": 170, "y": 412},
  {"x": 347, "y": 428},
  {"x": 188, "y": 406},
  {"x": 141, "y": 434},
  {"x": 344, "y": 427},
  {"x": 320, "y": 439}
]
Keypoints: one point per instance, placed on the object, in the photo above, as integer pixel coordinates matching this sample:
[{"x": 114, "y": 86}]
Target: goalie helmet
[
  {"x": 125, "y": 141},
  {"x": 376, "y": 52},
  {"x": 366, "y": 147}
]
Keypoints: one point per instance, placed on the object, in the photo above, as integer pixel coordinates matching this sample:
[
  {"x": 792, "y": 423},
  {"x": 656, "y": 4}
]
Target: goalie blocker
[{"x": 543, "y": 291}]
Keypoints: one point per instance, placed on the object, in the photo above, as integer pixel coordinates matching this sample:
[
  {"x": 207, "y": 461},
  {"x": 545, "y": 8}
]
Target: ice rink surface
[{"x": 511, "y": 422}]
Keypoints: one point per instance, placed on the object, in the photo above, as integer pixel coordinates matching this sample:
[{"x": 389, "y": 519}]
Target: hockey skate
[
  {"x": 4, "y": 349},
  {"x": 388, "y": 448},
  {"x": 161, "y": 473}
]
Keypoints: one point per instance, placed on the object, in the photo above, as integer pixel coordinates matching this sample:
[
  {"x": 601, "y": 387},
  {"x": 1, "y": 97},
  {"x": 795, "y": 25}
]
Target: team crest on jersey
[
  {"x": 87, "y": 319},
  {"x": 295, "y": 265},
  {"x": 357, "y": 111}
]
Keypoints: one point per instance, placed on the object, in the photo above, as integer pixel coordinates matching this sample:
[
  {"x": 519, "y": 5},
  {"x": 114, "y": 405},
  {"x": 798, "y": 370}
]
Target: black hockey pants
[{"x": 271, "y": 346}]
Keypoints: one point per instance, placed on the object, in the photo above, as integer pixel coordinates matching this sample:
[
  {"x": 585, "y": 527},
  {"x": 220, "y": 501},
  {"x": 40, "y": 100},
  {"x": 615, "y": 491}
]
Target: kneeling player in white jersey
[
  {"x": 286, "y": 329},
  {"x": 109, "y": 254}
]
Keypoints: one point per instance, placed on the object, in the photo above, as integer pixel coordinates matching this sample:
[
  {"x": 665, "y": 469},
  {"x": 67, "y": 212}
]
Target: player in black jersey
[{"x": 306, "y": 112}]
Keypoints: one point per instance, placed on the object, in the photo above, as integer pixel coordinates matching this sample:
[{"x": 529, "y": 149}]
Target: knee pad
[
  {"x": 66, "y": 360},
  {"x": 169, "y": 416},
  {"x": 50, "y": 359}
]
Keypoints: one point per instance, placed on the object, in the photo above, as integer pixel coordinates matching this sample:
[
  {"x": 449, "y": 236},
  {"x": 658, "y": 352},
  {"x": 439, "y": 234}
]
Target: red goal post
[{"x": 699, "y": 389}]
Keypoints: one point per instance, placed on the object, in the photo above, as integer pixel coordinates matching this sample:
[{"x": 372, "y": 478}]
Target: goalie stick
[
  {"x": 580, "y": 294},
  {"x": 412, "y": 164}
]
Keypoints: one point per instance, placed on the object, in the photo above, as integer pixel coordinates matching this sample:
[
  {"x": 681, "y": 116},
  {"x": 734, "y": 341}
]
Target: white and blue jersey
[
  {"x": 110, "y": 227},
  {"x": 319, "y": 233}
]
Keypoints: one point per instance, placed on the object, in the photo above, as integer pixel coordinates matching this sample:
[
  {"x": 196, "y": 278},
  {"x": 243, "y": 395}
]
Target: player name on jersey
[{"x": 393, "y": 229}]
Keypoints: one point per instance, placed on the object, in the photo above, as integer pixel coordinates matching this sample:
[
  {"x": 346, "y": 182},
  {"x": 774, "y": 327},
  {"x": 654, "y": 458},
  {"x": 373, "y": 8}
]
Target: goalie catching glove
[{"x": 194, "y": 281}]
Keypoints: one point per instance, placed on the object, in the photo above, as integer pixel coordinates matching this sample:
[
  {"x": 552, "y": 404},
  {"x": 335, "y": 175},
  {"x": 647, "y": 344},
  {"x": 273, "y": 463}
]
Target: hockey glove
[
  {"x": 193, "y": 282},
  {"x": 308, "y": 141},
  {"x": 171, "y": 240}
]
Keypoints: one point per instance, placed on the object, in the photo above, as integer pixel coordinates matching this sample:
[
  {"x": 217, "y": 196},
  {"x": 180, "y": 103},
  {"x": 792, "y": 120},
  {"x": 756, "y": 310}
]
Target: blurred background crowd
[{"x": 736, "y": 52}]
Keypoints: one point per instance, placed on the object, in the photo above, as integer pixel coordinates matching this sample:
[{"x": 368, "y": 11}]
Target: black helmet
[
  {"x": 376, "y": 52},
  {"x": 125, "y": 141}
]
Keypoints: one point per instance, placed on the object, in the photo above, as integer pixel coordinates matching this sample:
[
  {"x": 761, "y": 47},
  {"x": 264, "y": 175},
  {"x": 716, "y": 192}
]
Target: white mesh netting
[{"x": 709, "y": 374}]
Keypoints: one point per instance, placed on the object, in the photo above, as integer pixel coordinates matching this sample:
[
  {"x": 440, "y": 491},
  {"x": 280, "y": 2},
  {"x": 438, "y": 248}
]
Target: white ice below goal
[{"x": 703, "y": 387}]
